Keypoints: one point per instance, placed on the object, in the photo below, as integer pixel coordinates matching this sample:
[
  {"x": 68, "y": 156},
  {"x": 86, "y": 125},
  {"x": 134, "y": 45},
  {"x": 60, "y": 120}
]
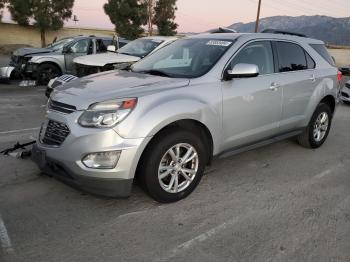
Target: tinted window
[
  {"x": 256, "y": 53},
  {"x": 310, "y": 62},
  {"x": 291, "y": 57},
  {"x": 101, "y": 45},
  {"x": 322, "y": 51}
]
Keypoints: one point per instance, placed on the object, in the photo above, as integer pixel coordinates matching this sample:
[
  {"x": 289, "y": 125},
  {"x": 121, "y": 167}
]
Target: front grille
[
  {"x": 55, "y": 133},
  {"x": 345, "y": 95},
  {"x": 61, "y": 107},
  {"x": 84, "y": 70},
  {"x": 62, "y": 80}
]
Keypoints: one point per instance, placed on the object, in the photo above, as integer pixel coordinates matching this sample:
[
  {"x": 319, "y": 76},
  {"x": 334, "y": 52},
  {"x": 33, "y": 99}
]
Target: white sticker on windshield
[
  {"x": 219, "y": 43},
  {"x": 157, "y": 40}
]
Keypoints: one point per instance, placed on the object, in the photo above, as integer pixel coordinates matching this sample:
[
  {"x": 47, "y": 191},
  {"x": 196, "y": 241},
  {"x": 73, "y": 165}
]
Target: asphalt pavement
[{"x": 281, "y": 202}]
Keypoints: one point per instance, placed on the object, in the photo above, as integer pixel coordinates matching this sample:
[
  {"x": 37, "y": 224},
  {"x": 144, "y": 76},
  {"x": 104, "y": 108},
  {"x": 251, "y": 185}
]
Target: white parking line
[
  {"x": 19, "y": 130},
  {"x": 5, "y": 239},
  {"x": 200, "y": 238}
]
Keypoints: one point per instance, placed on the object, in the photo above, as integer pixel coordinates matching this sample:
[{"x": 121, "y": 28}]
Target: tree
[
  {"x": 2, "y": 5},
  {"x": 46, "y": 14},
  {"x": 128, "y": 16},
  {"x": 164, "y": 17}
]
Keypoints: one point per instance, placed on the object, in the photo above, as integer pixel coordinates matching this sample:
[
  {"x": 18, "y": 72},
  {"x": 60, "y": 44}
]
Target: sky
[{"x": 202, "y": 15}]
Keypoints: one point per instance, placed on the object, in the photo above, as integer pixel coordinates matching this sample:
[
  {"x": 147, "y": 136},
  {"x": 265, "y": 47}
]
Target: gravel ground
[{"x": 281, "y": 202}]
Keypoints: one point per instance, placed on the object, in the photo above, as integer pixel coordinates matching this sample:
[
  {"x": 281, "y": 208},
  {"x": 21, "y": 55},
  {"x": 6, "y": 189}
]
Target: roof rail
[
  {"x": 222, "y": 30},
  {"x": 282, "y": 32}
]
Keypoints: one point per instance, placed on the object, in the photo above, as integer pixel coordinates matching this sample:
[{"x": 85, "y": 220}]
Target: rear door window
[
  {"x": 291, "y": 57},
  {"x": 322, "y": 51}
]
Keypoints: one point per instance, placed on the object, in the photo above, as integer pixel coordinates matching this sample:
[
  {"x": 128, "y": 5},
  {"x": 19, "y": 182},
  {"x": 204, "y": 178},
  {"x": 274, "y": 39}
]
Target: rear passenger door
[{"x": 297, "y": 77}]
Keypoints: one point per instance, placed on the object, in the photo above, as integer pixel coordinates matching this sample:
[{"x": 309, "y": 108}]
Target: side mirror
[
  {"x": 66, "y": 50},
  {"x": 243, "y": 71},
  {"x": 111, "y": 48}
]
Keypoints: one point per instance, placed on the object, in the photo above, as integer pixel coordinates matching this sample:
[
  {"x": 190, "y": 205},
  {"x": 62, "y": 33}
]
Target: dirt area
[
  {"x": 8, "y": 49},
  {"x": 342, "y": 56}
]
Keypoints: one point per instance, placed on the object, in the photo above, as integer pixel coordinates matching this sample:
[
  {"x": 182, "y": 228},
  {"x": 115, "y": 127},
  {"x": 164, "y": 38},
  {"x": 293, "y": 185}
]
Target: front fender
[
  {"x": 156, "y": 116},
  {"x": 41, "y": 60}
]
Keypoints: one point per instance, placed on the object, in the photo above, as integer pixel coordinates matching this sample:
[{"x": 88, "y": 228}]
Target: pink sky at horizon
[{"x": 199, "y": 15}]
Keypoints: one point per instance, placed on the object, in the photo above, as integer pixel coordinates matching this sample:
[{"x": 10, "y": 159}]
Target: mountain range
[{"x": 329, "y": 29}]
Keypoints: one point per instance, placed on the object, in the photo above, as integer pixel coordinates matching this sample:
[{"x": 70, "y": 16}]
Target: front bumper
[
  {"x": 64, "y": 161},
  {"x": 345, "y": 93},
  {"x": 5, "y": 72}
]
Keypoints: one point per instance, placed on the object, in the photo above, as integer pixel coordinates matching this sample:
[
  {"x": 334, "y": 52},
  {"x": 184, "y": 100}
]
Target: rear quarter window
[{"x": 322, "y": 51}]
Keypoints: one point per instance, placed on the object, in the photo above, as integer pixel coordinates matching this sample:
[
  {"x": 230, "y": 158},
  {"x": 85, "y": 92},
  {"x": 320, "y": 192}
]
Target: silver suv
[{"x": 166, "y": 117}]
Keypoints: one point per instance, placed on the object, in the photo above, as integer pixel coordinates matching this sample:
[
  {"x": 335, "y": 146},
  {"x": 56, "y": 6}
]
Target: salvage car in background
[
  {"x": 125, "y": 56},
  {"x": 56, "y": 59},
  {"x": 345, "y": 93}
]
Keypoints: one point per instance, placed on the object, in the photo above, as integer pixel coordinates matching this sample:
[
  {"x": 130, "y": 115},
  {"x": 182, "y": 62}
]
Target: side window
[
  {"x": 82, "y": 47},
  {"x": 101, "y": 45},
  {"x": 257, "y": 53},
  {"x": 310, "y": 62},
  {"x": 291, "y": 57}
]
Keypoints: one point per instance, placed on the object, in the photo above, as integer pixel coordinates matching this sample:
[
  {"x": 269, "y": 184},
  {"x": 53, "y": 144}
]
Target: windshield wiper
[{"x": 156, "y": 73}]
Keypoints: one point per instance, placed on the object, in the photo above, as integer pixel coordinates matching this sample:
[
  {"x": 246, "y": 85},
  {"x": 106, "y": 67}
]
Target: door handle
[
  {"x": 312, "y": 78},
  {"x": 274, "y": 86}
]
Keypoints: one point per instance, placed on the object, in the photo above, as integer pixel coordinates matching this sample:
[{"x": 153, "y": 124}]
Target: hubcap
[
  {"x": 321, "y": 126},
  {"x": 178, "y": 168}
]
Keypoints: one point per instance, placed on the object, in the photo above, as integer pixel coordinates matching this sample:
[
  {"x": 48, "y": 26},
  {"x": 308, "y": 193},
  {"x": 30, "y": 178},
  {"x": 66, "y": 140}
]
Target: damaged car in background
[
  {"x": 114, "y": 59},
  {"x": 125, "y": 56},
  {"x": 43, "y": 64}
]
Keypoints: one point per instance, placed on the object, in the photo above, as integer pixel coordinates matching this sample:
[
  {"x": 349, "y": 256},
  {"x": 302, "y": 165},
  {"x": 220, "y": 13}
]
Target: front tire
[
  {"x": 318, "y": 129},
  {"x": 172, "y": 165},
  {"x": 46, "y": 72}
]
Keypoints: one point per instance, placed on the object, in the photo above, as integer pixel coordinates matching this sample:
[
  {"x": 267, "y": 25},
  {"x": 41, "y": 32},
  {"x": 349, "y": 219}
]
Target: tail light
[{"x": 339, "y": 75}]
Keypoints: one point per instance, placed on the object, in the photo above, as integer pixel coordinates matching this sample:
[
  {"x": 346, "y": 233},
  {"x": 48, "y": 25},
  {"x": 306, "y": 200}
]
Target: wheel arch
[
  {"x": 51, "y": 63},
  {"x": 329, "y": 100},
  {"x": 192, "y": 125}
]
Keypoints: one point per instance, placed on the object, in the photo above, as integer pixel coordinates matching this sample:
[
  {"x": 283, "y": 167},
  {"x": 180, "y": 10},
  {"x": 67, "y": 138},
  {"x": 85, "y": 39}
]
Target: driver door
[
  {"x": 252, "y": 107},
  {"x": 80, "y": 48}
]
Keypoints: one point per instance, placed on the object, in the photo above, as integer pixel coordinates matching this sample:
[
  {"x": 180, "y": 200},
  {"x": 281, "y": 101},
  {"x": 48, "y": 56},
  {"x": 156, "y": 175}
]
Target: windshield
[
  {"x": 186, "y": 58},
  {"x": 60, "y": 43},
  {"x": 140, "y": 47}
]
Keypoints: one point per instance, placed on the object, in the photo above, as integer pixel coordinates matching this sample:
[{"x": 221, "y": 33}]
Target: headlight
[{"x": 108, "y": 113}]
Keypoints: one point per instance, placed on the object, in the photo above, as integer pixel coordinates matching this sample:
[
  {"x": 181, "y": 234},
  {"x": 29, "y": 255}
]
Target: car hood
[
  {"x": 30, "y": 51},
  {"x": 105, "y": 59},
  {"x": 85, "y": 91}
]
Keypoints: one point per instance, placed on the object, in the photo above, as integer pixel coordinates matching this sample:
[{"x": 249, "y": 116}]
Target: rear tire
[
  {"x": 347, "y": 103},
  {"x": 46, "y": 72},
  {"x": 160, "y": 171},
  {"x": 318, "y": 129}
]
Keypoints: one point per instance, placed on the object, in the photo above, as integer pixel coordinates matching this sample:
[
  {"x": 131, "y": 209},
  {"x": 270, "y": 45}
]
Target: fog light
[{"x": 102, "y": 160}]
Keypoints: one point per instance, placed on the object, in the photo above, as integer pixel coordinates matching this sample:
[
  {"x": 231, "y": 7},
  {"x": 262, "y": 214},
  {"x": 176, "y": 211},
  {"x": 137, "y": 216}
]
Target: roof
[
  {"x": 163, "y": 38},
  {"x": 233, "y": 36}
]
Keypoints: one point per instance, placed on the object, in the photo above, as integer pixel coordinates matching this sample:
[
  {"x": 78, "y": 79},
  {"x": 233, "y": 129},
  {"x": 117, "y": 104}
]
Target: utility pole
[
  {"x": 150, "y": 5},
  {"x": 257, "y": 18}
]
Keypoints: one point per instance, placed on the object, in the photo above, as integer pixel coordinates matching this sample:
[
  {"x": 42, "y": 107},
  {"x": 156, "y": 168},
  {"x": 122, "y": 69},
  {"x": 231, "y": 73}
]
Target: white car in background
[
  {"x": 345, "y": 93},
  {"x": 125, "y": 56}
]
